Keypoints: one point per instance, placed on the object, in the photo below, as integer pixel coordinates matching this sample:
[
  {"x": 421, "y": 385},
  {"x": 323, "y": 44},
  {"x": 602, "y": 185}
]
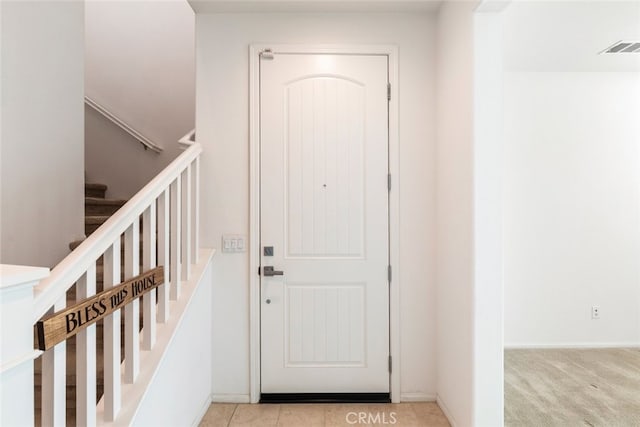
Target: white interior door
[{"x": 324, "y": 212}]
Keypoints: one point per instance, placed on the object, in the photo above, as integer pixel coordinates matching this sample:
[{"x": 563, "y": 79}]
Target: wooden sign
[{"x": 57, "y": 327}]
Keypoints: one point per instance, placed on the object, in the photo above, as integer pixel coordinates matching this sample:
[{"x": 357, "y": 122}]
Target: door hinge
[
  {"x": 389, "y": 182},
  {"x": 266, "y": 54},
  {"x": 390, "y": 364},
  {"x": 389, "y": 273},
  {"x": 258, "y": 270},
  {"x": 388, "y": 91}
]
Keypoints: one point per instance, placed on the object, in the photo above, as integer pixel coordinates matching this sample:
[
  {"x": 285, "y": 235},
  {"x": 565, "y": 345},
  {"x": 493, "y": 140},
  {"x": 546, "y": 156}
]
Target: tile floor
[{"x": 424, "y": 414}]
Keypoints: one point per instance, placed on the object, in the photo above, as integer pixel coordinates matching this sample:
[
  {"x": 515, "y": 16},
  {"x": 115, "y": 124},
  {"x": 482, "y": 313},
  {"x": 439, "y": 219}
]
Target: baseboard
[
  {"x": 446, "y": 411},
  {"x": 569, "y": 345},
  {"x": 230, "y": 398},
  {"x": 203, "y": 411},
  {"x": 417, "y": 397}
]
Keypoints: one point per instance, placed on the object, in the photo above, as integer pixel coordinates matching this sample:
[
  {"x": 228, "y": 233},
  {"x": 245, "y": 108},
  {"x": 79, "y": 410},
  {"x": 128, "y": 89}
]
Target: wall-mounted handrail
[{"x": 146, "y": 142}]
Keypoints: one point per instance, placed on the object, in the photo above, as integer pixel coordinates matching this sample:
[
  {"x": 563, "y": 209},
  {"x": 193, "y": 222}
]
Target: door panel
[
  {"x": 324, "y": 325},
  {"x": 324, "y": 168},
  {"x": 324, "y": 211}
]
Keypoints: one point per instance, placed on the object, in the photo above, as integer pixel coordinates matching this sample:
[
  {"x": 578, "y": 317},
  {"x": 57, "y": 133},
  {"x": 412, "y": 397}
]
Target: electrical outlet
[{"x": 595, "y": 312}]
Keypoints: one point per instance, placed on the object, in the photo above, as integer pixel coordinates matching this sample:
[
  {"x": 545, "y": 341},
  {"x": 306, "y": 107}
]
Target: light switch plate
[{"x": 233, "y": 243}]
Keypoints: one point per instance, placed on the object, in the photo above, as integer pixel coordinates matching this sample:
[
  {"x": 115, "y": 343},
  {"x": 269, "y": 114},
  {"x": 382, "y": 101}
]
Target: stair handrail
[
  {"x": 188, "y": 140},
  {"x": 71, "y": 268},
  {"x": 146, "y": 142}
]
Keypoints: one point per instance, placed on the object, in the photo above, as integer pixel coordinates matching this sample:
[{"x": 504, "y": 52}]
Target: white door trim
[{"x": 254, "y": 201}]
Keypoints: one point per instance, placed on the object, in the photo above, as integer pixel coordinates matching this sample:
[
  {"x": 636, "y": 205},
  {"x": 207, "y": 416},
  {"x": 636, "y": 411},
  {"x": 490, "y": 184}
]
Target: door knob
[{"x": 269, "y": 271}]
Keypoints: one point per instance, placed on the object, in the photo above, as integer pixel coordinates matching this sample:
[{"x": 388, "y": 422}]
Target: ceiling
[
  {"x": 257, "y": 6},
  {"x": 569, "y": 35}
]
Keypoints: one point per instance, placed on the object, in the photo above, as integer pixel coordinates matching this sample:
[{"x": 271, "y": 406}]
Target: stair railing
[
  {"x": 188, "y": 140},
  {"x": 167, "y": 207}
]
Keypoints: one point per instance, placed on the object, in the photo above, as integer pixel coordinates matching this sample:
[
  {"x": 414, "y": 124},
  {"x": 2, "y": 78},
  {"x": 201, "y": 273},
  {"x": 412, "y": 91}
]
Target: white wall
[
  {"x": 572, "y": 208},
  {"x": 180, "y": 392},
  {"x": 222, "y": 126},
  {"x": 488, "y": 175},
  {"x": 140, "y": 66},
  {"x": 454, "y": 272},
  {"x": 42, "y": 143}
]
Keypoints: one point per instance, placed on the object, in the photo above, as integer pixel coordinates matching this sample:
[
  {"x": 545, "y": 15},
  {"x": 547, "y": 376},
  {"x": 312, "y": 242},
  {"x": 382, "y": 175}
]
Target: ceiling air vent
[{"x": 624, "y": 47}]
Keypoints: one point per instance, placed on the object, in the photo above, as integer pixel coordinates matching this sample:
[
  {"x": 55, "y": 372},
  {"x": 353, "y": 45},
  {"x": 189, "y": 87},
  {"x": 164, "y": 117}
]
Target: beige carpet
[{"x": 575, "y": 387}]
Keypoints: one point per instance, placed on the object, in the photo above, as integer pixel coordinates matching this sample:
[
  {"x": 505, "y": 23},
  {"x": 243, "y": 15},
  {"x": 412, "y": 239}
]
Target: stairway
[{"x": 97, "y": 210}]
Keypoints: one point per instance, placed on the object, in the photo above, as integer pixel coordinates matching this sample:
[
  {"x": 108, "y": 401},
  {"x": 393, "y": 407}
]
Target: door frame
[{"x": 391, "y": 52}]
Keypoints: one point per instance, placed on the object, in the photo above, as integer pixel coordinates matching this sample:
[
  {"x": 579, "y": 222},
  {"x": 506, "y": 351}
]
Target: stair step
[
  {"x": 92, "y": 222},
  {"x": 95, "y": 190},
  {"x": 100, "y": 206}
]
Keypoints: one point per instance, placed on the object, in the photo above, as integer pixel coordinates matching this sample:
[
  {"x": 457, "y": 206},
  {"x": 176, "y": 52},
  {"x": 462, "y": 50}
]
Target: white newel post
[{"x": 16, "y": 337}]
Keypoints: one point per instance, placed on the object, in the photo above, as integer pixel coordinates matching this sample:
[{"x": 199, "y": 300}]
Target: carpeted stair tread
[
  {"x": 96, "y": 219},
  {"x": 92, "y": 222},
  {"x": 101, "y": 201},
  {"x": 100, "y": 206},
  {"x": 95, "y": 190}
]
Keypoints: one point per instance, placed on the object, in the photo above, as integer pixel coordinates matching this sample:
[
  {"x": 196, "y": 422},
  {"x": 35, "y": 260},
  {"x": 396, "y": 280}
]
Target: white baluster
[
  {"x": 54, "y": 380},
  {"x": 163, "y": 254},
  {"x": 195, "y": 229},
  {"x": 186, "y": 224},
  {"x": 86, "y": 356},
  {"x": 176, "y": 225},
  {"x": 132, "y": 310},
  {"x": 112, "y": 389},
  {"x": 149, "y": 262}
]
